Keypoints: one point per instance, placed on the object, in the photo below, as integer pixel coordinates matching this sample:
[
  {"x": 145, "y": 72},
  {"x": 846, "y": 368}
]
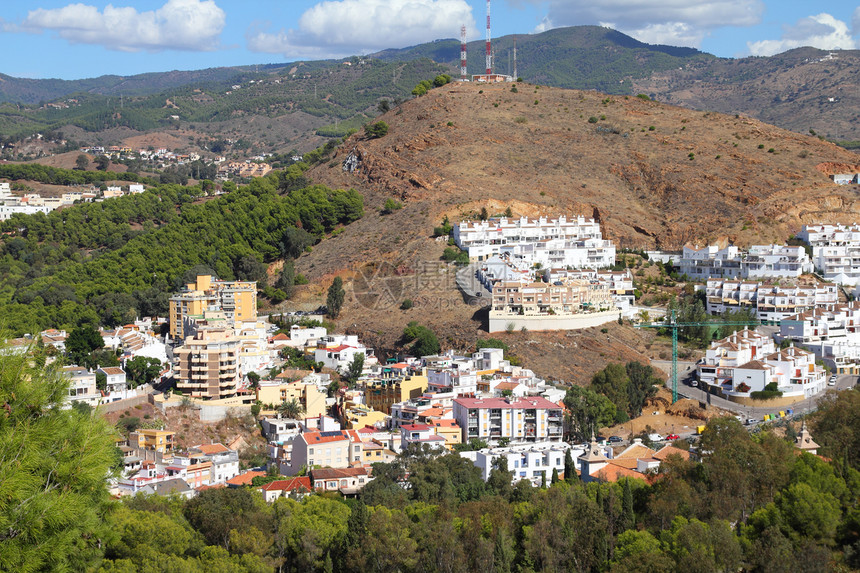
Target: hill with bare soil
[{"x": 654, "y": 175}]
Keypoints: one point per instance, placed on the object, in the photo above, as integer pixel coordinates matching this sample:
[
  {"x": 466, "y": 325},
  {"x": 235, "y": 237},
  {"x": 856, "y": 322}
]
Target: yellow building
[
  {"x": 157, "y": 440},
  {"x": 381, "y": 393},
  {"x": 307, "y": 394},
  {"x": 237, "y": 299},
  {"x": 373, "y": 452},
  {"x": 356, "y": 416},
  {"x": 208, "y": 364},
  {"x": 448, "y": 429}
]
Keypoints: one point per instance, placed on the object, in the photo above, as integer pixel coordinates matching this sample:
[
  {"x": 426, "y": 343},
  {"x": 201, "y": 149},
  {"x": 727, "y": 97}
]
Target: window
[{"x": 310, "y": 451}]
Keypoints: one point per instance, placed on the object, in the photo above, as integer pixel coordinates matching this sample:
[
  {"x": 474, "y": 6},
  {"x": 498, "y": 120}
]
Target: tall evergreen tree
[
  {"x": 628, "y": 517},
  {"x": 53, "y": 463},
  {"x": 569, "y": 468},
  {"x": 335, "y": 298}
]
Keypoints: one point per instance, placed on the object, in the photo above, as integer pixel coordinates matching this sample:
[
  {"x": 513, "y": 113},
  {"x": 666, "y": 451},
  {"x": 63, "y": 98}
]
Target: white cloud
[
  {"x": 344, "y": 27},
  {"x": 670, "y": 34},
  {"x": 820, "y": 31},
  {"x": 177, "y": 25},
  {"x": 675, "y": 22}
]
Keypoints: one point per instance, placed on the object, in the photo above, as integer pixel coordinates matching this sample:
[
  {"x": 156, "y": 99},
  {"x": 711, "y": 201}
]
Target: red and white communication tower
[
  {"x": 489, "y": 45},
  {"x": 463, "y": 75}
]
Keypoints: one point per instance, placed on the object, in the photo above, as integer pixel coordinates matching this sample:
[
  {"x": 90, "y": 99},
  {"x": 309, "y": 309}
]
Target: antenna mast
[
  {"x": 489, "y": 44},
  {"x": 515, "y": 60},
  {"x": 463, "y": 73}
]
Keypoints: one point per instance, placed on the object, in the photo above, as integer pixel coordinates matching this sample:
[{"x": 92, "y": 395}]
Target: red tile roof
[
  {"x": 215, "y": 486},
  {"x": 292, "y": 484},
  {"x": 415, "y": 427},
  {"x": 245, "y": 478},
  {"x": 669, "y": 450},
  {"x": 613, "y": 473},
  {"x": 211, "y": 449},
  {"x": 530, "y": 403},
  {"x": 338, "y": 473},
  {"x": 113, "y": 370}
]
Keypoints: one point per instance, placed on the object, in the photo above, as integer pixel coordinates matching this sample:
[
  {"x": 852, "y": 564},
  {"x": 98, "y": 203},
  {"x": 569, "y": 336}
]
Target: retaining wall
[{"x": 499, "y": 321}]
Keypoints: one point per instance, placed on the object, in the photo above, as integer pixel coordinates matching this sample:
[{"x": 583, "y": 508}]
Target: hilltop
[
  {"x": 655, "y": 175},
  {"x": 295, "y": 106}
]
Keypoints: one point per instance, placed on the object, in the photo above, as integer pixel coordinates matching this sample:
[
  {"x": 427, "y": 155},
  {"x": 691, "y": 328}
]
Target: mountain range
[{"x": 801, "y": 90}]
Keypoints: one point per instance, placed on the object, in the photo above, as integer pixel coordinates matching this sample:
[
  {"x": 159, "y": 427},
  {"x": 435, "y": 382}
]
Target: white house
[
  {"x": 835, "y": 251},
  {"x": 532, "y": 462},
  {"x": 562, "y": 241},
  {"x": 83, "y": 385}
]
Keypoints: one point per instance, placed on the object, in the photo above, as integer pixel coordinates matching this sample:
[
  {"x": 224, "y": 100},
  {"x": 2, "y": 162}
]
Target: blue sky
[{"x": 69, "y": 40}]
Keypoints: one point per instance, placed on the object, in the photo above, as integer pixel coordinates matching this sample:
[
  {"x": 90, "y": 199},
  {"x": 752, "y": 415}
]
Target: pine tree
[{"x": 53, "y": 463}]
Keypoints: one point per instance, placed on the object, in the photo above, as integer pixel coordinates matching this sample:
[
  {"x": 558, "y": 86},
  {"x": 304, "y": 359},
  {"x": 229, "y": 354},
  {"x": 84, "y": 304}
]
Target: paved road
[
  {"x": 844, "y": 381},
  {"x": 470, "y": 286}
]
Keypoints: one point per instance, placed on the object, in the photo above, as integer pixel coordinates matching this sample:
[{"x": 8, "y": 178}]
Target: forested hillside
[
  {"x": 104, "y": 263},
  {"x": 330, "y": 92},
  {"x": 580, "y": 57}
]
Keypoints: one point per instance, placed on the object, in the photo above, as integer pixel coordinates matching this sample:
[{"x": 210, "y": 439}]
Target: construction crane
[{"x": 674, "y": 325}]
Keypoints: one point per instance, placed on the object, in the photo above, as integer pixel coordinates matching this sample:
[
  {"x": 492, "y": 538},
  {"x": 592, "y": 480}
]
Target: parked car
[
  {"x": 832, "y": 381},
  {"x": 694, "y": 383},
  {"x": 655, "y": 437},
  {"x": 751, "y": 421},
  {"x": 615, "y": 439},
  {"x": 672, "y": 437}
]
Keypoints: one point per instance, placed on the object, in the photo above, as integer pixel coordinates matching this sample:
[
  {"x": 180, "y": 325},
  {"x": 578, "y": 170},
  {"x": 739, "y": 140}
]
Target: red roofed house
[
  {"x": 335, "y": 449},
  {"x": 296, "y": 487},
  {"x": 244, "y": 479},
  {"x": 532, "y": 419},
  {"x": 348, "y": 481},
  {"x": 421, "y": 434}
]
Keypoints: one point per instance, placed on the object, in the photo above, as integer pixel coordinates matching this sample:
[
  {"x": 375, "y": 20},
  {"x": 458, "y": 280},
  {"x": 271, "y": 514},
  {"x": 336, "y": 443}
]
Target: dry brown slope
[
  {"x": 546, "y": 157},
  {"x": 695, "y": 176}
]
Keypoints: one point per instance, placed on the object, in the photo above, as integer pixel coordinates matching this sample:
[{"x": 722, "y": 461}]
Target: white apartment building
[
  {"x": 411, "y": 411},
  {"x": 532, "y": 419},
  {"x": 710, "y": 262},
  {"x": 14, "y": 207},
  {"x": 338, "y": 351},
  {"x": 116, "y": 380},
  {"x": 561, "y": 241},
  {"x": 772, "y": 261},
  {"x": 835, "y": 251},
  {"x": 768, "y": 302},
  {"x": 747, "y": 361},
  {"x": 716, "y": 368},
  {"x": 532, "y": 462},
  {"x": 459, "y": 381},
  {"x": 760, "y": 261},
  {"x": 833, "y": 335},
  {"x": 305, "y": 335}
]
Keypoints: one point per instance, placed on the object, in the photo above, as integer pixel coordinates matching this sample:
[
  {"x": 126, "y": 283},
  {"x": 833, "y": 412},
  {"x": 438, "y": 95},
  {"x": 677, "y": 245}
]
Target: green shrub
[
  {"x": 406, "y": 304},
  {"x": 593, "y": 119}
]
